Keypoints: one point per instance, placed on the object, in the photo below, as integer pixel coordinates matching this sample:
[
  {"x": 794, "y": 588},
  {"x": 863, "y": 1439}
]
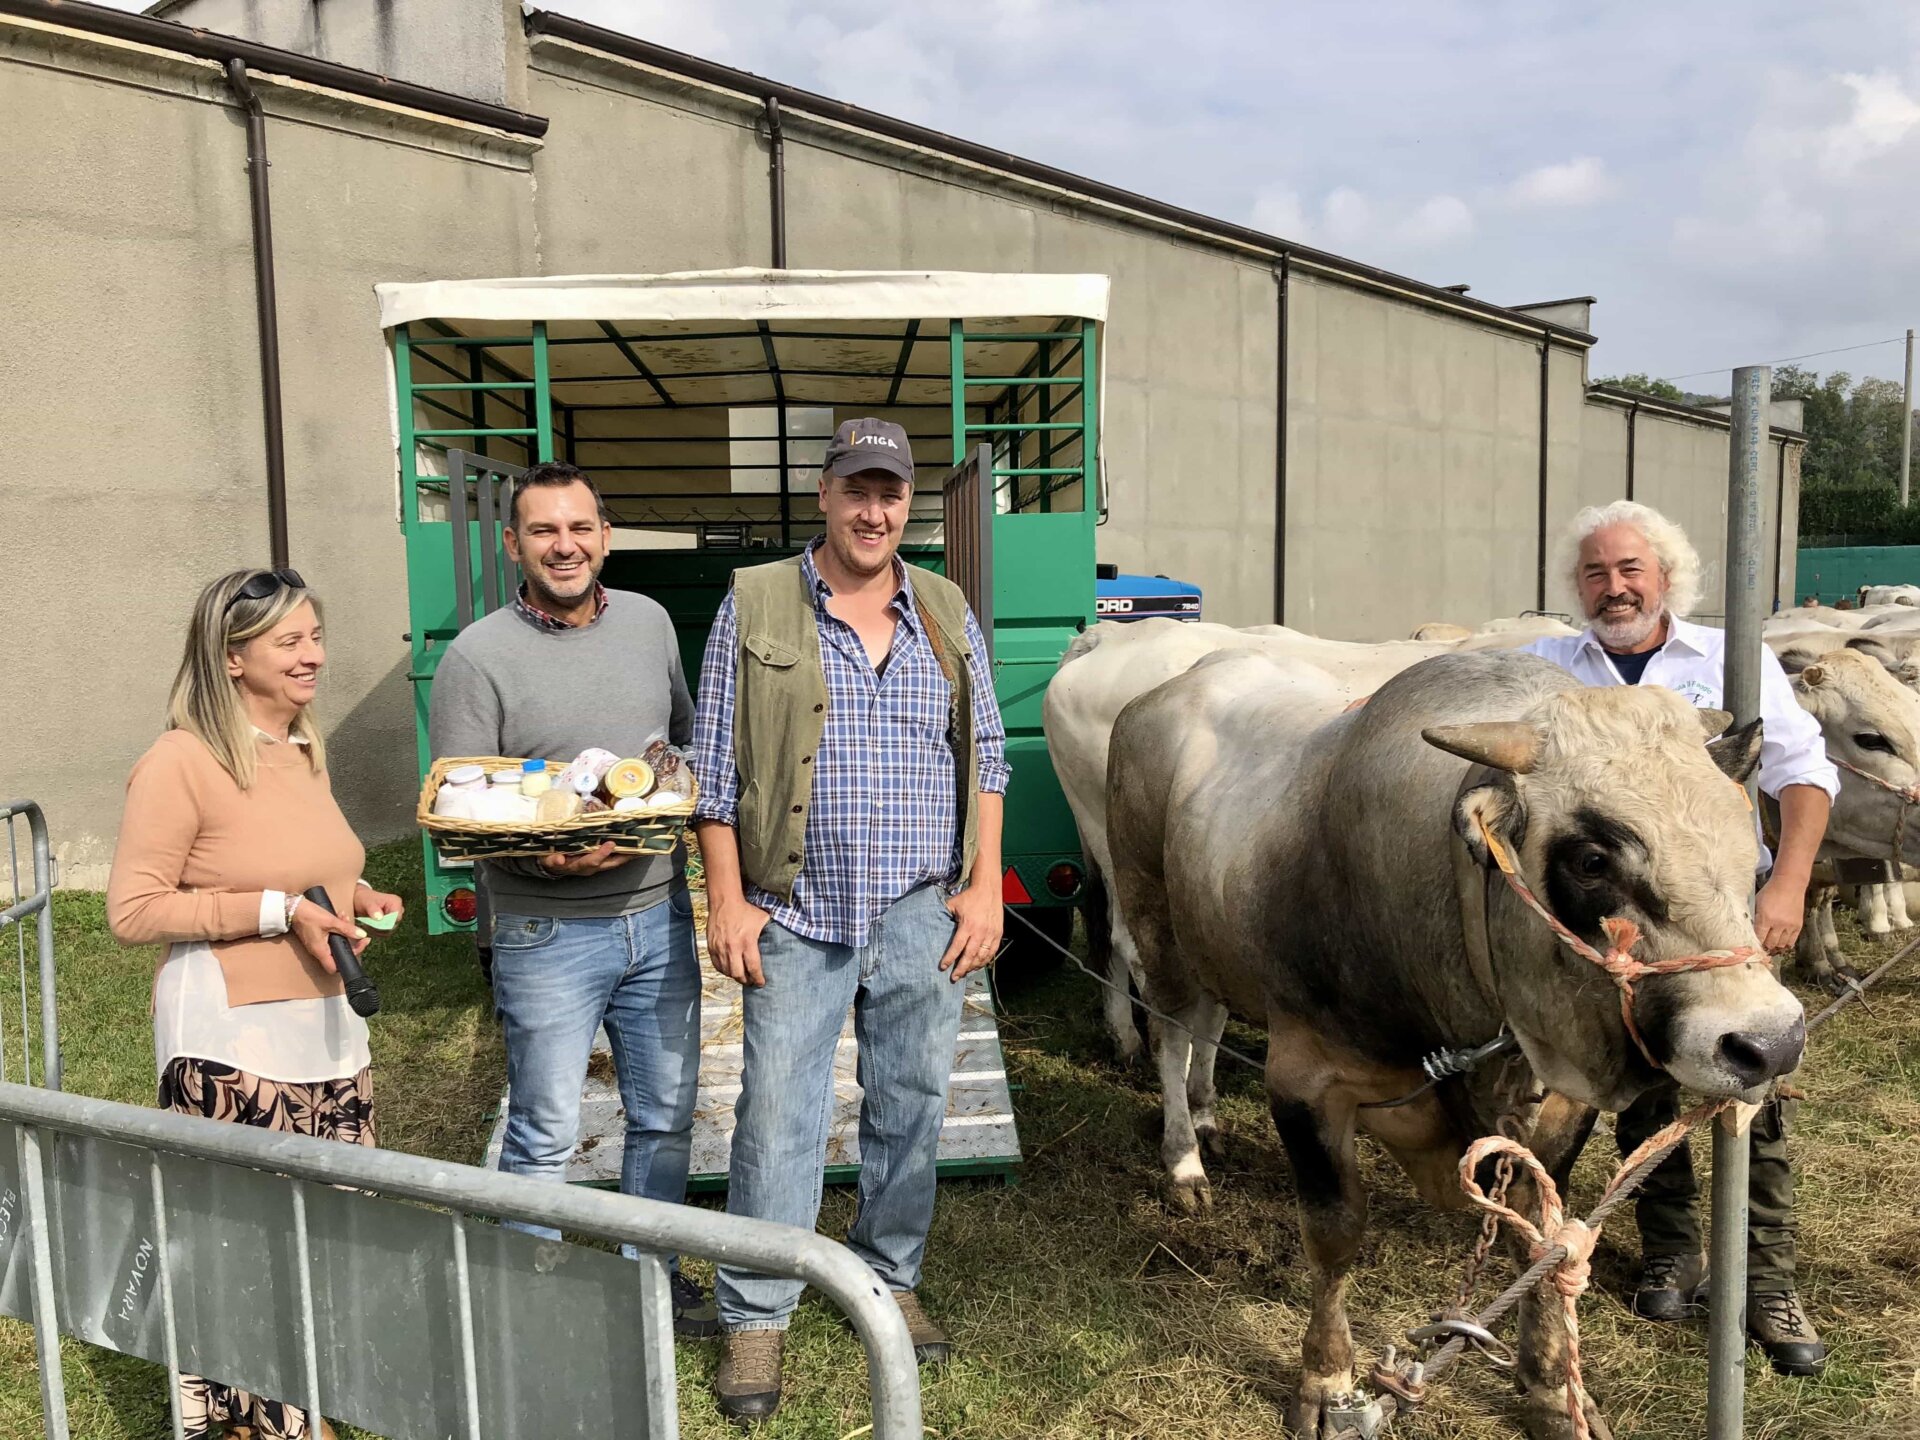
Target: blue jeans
[
  {"x": 907, "y": 1022},
  {"x": 555, "y": 982}
]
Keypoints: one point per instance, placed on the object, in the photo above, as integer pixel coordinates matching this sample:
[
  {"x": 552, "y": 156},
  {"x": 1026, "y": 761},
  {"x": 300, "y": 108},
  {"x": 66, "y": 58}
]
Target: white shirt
[
  {"x": 292, "y": 1041},
  {"x": 1692, "y": 664}
]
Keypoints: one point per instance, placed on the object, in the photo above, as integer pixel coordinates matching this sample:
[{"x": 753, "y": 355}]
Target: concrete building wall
[
  {"x": 132, "y": 385},
  {"x": 454, "y": 45},
  {"x": 645, "y": 172},
  {"x": 1413, "y": 431},
  {"x": 1413, "y": 465}
]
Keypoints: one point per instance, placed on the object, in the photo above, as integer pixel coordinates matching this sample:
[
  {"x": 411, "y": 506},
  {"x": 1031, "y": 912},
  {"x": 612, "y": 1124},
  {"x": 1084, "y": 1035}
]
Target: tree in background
[
  {"x": 1646, "y": 385},
  {"x": 1850, "y": 474}
]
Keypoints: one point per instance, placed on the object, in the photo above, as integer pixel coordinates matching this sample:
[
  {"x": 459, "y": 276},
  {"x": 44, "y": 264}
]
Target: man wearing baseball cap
[{"x": 852, "y": 764}]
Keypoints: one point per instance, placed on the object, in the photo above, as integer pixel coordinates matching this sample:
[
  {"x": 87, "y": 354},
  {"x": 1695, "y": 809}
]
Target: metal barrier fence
[
  {"x": 35, "y": 904},
  {"x": 233, "y": 1252}
]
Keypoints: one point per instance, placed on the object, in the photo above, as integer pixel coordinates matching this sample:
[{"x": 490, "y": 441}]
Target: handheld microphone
[{"x": 361, "y": 992}]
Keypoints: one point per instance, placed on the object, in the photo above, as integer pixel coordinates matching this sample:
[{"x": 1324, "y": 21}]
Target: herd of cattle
[{"x": 1264, "y": 844}]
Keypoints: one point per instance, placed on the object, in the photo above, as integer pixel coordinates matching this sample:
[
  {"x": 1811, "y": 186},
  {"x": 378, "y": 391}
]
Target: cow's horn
[
  {"x": 1714, "y": 722},
  {"x": 1511, "y": 745}
]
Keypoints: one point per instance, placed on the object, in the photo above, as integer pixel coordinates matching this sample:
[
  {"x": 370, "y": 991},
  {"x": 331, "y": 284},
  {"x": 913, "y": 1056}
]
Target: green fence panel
[{"x": 1838, "y": 572}]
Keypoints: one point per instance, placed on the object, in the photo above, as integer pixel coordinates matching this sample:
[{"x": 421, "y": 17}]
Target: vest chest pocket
[{"x": 774, "y": 654}]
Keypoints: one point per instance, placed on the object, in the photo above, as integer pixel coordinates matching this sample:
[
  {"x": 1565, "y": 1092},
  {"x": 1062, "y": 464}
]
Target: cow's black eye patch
[{"x": 1599, "y": 867}]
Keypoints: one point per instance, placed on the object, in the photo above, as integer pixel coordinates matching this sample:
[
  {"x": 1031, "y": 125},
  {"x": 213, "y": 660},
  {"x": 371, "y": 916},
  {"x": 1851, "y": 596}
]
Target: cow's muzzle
[{"x": 1753, "y": 1057}]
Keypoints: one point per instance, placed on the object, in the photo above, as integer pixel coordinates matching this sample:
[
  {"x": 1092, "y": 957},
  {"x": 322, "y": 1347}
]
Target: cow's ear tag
[
  {"x": 1494, "y": 847},
  {"x": 1479, "y": 810}
]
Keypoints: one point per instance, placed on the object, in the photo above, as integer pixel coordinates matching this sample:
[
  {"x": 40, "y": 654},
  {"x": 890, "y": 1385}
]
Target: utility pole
[
  {"x": 1726, "y": 1320},
  {"x": 1906, "y": 426}
]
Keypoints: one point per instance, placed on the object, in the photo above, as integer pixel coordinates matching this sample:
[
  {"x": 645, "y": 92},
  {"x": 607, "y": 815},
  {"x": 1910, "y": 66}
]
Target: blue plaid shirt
[{"x": 882, "y": 817}]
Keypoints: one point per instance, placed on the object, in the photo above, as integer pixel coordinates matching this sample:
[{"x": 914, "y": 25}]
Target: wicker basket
[{"x": 653, "y": 833}]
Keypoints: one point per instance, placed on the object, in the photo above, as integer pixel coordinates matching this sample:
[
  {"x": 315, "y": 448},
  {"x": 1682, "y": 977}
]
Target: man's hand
[
  {"x": 979, "y": 918},
  {"x": 1778, "y": 911},
  {"x": 733, "y": 939},
  {"x": 311, "y": 925},
  {"x": 590, "y": 863}
]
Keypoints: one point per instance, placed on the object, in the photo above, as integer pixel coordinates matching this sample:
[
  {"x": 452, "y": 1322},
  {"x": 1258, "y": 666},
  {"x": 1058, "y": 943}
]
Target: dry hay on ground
[{"x": 1083, "y": 1284}]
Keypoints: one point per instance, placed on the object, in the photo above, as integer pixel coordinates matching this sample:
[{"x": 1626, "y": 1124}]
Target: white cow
[
  {"x": 1114, "y": 662},
  {"x": 1889, "y": 595}
]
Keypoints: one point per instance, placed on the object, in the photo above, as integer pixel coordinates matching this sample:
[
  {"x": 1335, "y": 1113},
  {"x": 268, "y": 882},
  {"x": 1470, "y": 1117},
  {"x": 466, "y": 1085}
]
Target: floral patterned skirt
[{"x": 325, "y": 1109}]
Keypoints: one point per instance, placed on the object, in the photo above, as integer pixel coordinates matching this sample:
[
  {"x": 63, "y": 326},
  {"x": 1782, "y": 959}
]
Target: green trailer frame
[{"x": 646, "y": 383}]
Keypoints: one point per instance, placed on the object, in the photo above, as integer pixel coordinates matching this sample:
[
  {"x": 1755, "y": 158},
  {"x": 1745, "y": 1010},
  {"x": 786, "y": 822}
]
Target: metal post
[
  {"x": 46, "y": 1324},
  {"x": 1906, "y": 426},
  {"x": 1745, "y": 610}
]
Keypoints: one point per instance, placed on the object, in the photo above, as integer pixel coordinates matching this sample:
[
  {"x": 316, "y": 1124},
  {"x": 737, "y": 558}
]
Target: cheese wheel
[{"x": 629, "y": 778}]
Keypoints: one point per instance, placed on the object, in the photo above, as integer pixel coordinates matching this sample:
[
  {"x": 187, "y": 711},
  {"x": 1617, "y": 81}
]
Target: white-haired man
[{"x": 1637, "y": 576}]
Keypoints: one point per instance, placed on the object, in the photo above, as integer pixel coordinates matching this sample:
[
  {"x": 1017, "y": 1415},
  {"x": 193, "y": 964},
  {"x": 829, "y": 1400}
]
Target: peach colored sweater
[{"x": 196, "y": 852}]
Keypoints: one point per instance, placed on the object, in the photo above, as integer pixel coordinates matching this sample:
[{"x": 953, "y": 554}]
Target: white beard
[{"x": 1629, "y": 631}]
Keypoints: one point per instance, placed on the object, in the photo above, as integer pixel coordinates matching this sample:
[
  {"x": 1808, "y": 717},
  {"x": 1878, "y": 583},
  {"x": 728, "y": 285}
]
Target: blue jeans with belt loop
[
  {"x": 907, "y": 1021},
  {"x": 555, "y": 982}
]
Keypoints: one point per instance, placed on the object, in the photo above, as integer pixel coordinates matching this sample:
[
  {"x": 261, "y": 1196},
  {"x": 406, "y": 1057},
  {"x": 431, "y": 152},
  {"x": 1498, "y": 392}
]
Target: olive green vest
[{"x": 780, "y": 712}]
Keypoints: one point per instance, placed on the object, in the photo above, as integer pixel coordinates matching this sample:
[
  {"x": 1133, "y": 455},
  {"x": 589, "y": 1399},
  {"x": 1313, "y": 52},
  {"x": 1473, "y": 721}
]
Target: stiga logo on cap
[{"x": 874, "y": 440}]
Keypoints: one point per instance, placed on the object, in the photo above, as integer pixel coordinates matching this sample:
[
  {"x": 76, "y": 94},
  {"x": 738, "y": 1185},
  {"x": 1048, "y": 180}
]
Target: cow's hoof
[
  {"x": 1839, "y": 980},
  {"x": 1130, "y": 1052},
  {"x": 1213, "y": 1142},
  {"x": 1190, "y": 1194}
]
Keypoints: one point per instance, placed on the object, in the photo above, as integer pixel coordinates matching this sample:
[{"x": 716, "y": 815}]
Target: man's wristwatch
[{"x": 294, "y": 902}]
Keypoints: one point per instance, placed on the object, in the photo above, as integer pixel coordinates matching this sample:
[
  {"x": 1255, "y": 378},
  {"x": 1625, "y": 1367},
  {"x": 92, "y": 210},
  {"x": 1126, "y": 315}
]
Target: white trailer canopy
[
  {"x": 748, "y": 294},
  {"x": 757, "y": 337}
]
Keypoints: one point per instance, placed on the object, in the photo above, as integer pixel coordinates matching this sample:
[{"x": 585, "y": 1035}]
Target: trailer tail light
[
  {"x": 1064, "y": 880},
  {"x": 461, "y": 906},
  {"x": 1012, "y": 892}
]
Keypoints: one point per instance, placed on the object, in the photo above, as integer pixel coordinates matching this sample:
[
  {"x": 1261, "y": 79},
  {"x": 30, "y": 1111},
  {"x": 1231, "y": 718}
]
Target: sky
[{"x": 1737, "y": 183}]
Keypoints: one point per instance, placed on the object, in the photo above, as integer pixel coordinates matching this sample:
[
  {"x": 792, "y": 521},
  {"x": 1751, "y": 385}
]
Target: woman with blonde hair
[{"x": 229, "y": 819}]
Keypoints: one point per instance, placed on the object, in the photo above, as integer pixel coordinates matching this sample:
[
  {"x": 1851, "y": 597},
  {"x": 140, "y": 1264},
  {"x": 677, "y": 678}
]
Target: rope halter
[
  {"x": 1909, "y": 796},
  {"x": 1571, "y": 1276},
  {"x": 1622, "y": 935}
]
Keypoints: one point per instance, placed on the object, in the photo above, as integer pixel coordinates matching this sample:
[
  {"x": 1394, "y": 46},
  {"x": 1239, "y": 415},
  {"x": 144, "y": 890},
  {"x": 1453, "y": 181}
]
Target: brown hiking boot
[
  {"x": 748, "y": 1382},
  {"x": 1778, "y": 1325},
  {"x": 930, "y": 1343},
  {"x": 1669, "y": 1287}
]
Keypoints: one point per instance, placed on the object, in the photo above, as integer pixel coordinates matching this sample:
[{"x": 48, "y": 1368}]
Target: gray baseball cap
[{"x": 870, "y": 445}]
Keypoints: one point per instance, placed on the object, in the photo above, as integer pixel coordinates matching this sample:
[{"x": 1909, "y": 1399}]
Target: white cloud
[
  {"x": 1442, "y": 220},
  {"x": 1580, "y": 181},
  {"x": 1349, "y": 220},
  {"x": 1279, "y": 212},
  {"x": 1883, "y": 115}
]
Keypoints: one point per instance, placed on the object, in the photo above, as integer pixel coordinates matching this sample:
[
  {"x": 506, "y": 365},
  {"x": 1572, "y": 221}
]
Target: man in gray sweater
[{"x": 601, "y": 938}]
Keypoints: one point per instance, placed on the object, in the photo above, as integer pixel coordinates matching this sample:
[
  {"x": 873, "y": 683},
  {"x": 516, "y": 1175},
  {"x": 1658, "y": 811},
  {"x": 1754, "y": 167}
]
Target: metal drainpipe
[
  {"x": 777, "y": 181},
  {"x": 1281, "y": 274},
  {"x": 1633, "y": 426},
  {"x": 1540, "y": 571},
  {"x": 267, "y": 307}
]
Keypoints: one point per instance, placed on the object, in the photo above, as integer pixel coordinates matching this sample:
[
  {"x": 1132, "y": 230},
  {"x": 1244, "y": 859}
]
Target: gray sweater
[{"x": 507, "y": 687}]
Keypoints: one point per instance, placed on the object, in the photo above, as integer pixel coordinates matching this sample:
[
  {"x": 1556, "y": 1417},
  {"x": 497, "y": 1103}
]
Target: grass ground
[{"x": 1084, "y": 1308}]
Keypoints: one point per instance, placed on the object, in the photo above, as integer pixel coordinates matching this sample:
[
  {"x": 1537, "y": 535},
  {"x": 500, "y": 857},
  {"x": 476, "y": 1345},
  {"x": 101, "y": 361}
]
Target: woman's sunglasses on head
[{"x": 266, "y": 583}]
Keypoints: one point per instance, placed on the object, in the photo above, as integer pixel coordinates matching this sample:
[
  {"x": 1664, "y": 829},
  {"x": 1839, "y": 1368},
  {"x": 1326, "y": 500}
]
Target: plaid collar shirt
[
  {"x": 882, "y": 819},
  {"x": 541, "y": 620}
]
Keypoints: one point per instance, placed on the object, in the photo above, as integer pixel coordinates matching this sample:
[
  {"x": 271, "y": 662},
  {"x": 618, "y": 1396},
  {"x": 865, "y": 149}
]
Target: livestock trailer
[{"x": 701, "y": 403}]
